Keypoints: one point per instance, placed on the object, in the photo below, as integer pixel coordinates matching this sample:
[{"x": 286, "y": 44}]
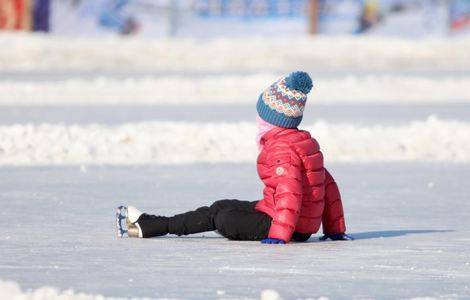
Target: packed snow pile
[
  {"x": 231, "y": 89},
  {"x": 40, "y": 52},
  {"x": 432, "y": 140},
  {"x": 10, "y": 290}
]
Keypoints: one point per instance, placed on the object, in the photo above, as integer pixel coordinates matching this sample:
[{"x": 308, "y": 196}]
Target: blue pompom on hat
[{"x": 283, "y": 103}]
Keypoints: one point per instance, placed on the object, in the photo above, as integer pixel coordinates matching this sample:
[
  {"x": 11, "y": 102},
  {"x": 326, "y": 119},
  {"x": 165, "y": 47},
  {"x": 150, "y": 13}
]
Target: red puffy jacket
[{"x": 299, "y": 194}]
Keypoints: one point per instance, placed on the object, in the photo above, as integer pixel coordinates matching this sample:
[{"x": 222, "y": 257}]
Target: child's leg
[
  {"x": 243, "y": 225},
  {"x": 234, "y": 219},
  {"x": 207, "y": 218}
]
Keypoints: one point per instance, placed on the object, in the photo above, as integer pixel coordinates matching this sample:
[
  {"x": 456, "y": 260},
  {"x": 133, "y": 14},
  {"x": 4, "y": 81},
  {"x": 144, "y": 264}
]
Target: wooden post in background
[
  {"x": 313, "y": 12},
  {"x": 25, "y": 9}
]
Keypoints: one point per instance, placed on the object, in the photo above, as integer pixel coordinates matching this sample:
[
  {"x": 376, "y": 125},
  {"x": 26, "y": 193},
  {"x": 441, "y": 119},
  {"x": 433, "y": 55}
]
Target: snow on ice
[
  {"x": 431, "y": 140},
  {"x": 10, "y": 290}
]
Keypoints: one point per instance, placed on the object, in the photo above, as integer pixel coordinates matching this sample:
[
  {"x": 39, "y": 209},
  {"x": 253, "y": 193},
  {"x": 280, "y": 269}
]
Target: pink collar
[{"x": 263, "y": 128}]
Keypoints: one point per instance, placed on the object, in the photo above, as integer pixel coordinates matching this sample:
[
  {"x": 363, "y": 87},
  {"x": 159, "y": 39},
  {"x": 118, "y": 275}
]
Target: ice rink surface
[{"x": 411, "y": 224}]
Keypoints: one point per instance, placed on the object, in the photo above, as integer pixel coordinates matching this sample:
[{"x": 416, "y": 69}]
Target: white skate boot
[{"x": 129, "y": 228}]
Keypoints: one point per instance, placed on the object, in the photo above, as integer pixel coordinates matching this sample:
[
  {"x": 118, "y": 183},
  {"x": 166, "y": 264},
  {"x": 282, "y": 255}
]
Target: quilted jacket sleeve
[
  {"x": 333, "y": 216},
  {"x": 287, "y": 198}
]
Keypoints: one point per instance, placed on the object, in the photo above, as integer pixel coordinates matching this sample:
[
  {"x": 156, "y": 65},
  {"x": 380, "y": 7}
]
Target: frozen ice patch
[{"x": 431, "y": 140}]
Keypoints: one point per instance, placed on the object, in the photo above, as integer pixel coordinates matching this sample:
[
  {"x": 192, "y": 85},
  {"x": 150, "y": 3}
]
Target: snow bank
[
  {"x": 10, "y": 290},
  {"x": 231, "y": 89},
  {"x": 27, "y": 52},
  {"x": 432, "y": 140}
]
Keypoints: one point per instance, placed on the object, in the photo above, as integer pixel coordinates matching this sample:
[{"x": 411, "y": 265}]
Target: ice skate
[{"x": 129, "y": 228}]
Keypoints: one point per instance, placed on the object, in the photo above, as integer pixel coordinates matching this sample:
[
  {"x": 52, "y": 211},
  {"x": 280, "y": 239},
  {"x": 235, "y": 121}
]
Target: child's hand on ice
[
  {"x": 272, "y": 241},
  {"x": 337, "y": 237}
]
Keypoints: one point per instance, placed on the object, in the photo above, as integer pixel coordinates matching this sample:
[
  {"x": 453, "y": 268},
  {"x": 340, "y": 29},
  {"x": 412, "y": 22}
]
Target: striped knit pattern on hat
[{"x": 283, "y": 103}]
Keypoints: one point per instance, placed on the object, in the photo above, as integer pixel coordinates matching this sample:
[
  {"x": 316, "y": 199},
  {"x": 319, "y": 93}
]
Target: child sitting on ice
[{"x": 299, "y": 194}]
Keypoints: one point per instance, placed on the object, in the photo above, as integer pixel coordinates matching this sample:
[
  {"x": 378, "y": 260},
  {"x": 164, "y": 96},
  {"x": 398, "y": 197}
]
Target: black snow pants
[{"x": 234, "y": 219}]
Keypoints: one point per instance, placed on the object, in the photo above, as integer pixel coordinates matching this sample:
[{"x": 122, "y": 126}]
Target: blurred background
[
  {"x": 206, "y": 18},
  {"x": 122, "y": 63}
]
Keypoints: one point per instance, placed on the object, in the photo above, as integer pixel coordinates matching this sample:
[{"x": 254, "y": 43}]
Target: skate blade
[{"x": 121, "y": 214}]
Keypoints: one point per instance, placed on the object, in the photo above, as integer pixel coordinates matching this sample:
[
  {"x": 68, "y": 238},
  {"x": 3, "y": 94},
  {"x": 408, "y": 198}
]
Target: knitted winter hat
[{"x": 283, "y": 103}]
